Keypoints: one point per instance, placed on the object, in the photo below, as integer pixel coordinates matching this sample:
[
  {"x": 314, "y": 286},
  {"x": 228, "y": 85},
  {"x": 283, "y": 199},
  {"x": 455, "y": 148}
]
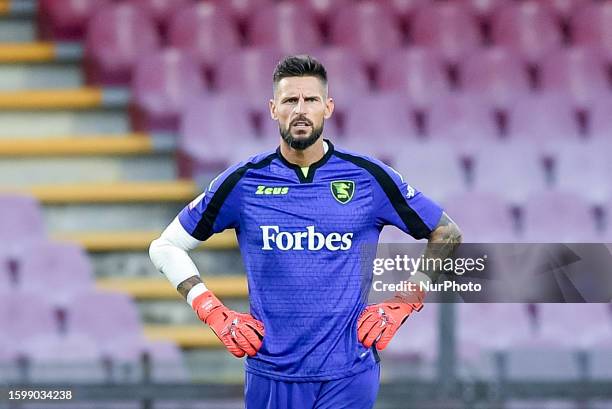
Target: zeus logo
[{"x": 304, "y": 240}]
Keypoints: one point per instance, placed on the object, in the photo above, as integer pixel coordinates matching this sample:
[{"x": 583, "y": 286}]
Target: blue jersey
[{"x": 301, "y": 239}]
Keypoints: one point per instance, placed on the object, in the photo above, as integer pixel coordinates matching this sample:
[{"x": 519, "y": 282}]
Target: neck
[{"x": 304, "y": 157}]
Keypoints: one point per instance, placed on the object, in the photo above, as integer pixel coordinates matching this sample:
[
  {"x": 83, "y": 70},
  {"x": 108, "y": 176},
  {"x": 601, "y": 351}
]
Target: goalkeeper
[{"x": 301, "y": 214}]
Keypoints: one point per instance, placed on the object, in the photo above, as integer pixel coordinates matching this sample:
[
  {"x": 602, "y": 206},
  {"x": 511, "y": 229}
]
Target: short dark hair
[{"x": 299, "y": 66}]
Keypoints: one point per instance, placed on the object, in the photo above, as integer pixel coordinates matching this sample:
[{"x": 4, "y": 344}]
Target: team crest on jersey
[{"x": 343, "y": 190}]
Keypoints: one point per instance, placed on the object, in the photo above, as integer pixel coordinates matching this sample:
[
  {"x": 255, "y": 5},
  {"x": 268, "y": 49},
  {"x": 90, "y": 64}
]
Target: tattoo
[
  {"x": 443, "y": 242},
  {"x": 184, "y": 287}
]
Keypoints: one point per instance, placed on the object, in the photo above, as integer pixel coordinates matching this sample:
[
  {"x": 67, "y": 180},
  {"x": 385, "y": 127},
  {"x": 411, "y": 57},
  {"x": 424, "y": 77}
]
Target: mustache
[{"x": 301, "y": 119}]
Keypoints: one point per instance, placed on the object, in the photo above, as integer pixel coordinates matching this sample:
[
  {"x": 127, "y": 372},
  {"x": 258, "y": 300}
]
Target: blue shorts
[{"x": 355, "y": 392}]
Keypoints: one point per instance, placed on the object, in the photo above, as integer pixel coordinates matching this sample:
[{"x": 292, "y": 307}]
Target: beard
[{"x": 301, "y": 143}]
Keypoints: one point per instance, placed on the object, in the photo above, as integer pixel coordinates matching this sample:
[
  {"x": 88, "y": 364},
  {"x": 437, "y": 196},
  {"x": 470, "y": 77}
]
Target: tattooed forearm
[
  {"x": 184, "y": 287},
  {"x": 443, "y": 241}
]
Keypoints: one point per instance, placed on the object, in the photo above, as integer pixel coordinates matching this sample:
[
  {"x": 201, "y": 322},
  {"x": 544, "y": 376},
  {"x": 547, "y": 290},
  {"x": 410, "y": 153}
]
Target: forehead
[{"x": 300, "y": 85}]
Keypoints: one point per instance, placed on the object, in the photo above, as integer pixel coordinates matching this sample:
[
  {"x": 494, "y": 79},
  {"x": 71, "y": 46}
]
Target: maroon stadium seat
[
  {"x": 586, "y": 168},
  {"x": 378, "y": 123},
  {"x": 591, "y": 26},
  {"x": 64, "y": 267},
  {"x": 368, "y": 28},
  {"x": 404, "y": 8},
  {"x": 242, "y": 9},
  {"x": 21, "y": 320},
  {"x": 497, "y": 74},
  {"x": 98, "y": 314},
  {"x": 445, "y": 175},
  {"x": 287, "y": 26},
  {"x": 576, "y": 71},
  {"x": 67, "y": 19},
  {"x": 118, "y": 36},
  {"x": 213, "y": 135},
  {"x": 600, "y": 125},
  {"x": 464, "y": 120},
  {"x": 558, "y": 217},
  {"x": 584, "y": 325},
  {"x": 448, "y": 27},
  {"x": 73, "y": 358},
  {"x": 21, "y": 219},
  {"x": 546, "y": 120},
  {"x": 346, "y": 74},
  {"x": 484, "y": 8},
  {"x": 484, "y": 217},
  {"x": 161, "y": 10},
  {"x": 417, "y": 72},
  {"x": 417, "y": 354},
  {"x": 205, "y": 30},
  {"x": 323, "y": 9},
  {"x": 564, "y": 8},
  {"x": 496, "y": 170},
  {"x": 529, "y": 28},
  {"x": 163, "y": 85},
  {"x": 248, "y": 72}
]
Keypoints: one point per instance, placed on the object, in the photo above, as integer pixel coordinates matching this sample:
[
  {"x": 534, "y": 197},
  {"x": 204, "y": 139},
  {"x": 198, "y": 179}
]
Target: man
[{"x": 301, "y": 214}]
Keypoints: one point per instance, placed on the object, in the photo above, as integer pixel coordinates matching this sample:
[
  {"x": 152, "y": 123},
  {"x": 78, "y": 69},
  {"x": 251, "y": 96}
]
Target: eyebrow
[{"x": 306, "y": 97}]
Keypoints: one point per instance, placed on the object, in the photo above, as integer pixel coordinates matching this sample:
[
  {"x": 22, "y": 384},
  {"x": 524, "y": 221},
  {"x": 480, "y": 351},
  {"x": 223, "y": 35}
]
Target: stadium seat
[
  {"x": 444, "y": 175},
  {"x": 161, "y": 10},
  {"x": 248, "y": 72},
  {"x": 117, "y": 38},
  {"x": 484, "y": 8},
  {"x": 600, "y": 119},
  {"x": 98, "y": 314},
  {"x": 213, "y": 135},
  {"x": 369, "y": 29},
  {"x": 417, "y": 72},
  {"x": 21, "y": 320},
  {"x": 165, "y": 359},
  {"x": 287, "y": 26},
  {"x": 591, "y": 25},
  {"x": 564, "y": 8},
  {"x": 584, "y": 325},
  {"x": 416, "y": 351},
  {"x": 558, "y": 217},
  {"x": 21, "y": 219},
  {"x": 585, "y": 168},
  {"x": 448, "y": 27},
  {"x": 498, "y": 74},
  {"x": 206, "y": 31},
  {"x": 48, "y": 264},
  {"x": 163, "y": 85},
  {"x": 577, "y": 72},
  {"x": 545, "y": 119},
  {"x": 479, "y": 338},
  {"x": 242, "y": 9},
  {"x": 323, "y": 9},
  {"x": 462, "y": 120},
  {"x": 511, "y": 170},
  {"x": 528, "y": 28},
  {"x": 483, "y": 217},
  {"x": 384, "y": 118},
  {"x": 73, "y": 358},
  {"x": 346, "y": 75},
  {"x": 67, "y": 20}
]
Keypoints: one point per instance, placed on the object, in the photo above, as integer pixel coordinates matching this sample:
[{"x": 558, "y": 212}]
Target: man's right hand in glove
[{"x": 240, "y": 333}]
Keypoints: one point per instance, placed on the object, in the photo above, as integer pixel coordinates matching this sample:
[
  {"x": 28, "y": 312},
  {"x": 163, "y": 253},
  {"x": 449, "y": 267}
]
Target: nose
[{"x": 299, "y": 107}]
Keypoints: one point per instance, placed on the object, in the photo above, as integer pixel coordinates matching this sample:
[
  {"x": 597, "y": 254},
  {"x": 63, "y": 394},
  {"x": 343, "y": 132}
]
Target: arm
[
  {"x": 240, "y": 333},
  {"x": 379, "y": 323},
  {"x": 442, "y": 243}
]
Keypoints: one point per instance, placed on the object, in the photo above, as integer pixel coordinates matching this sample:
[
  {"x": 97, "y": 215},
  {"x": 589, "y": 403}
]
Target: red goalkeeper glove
[
  {"x": 378, "y": 323},
  {"x": 240, "y": 333}
]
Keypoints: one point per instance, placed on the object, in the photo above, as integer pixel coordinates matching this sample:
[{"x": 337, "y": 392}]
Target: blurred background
[{"x": 115, "y": 114}]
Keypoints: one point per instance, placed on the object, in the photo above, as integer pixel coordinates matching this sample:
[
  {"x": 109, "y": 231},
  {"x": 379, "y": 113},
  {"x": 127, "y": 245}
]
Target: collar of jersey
[{"x": 312, "y": 168}]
